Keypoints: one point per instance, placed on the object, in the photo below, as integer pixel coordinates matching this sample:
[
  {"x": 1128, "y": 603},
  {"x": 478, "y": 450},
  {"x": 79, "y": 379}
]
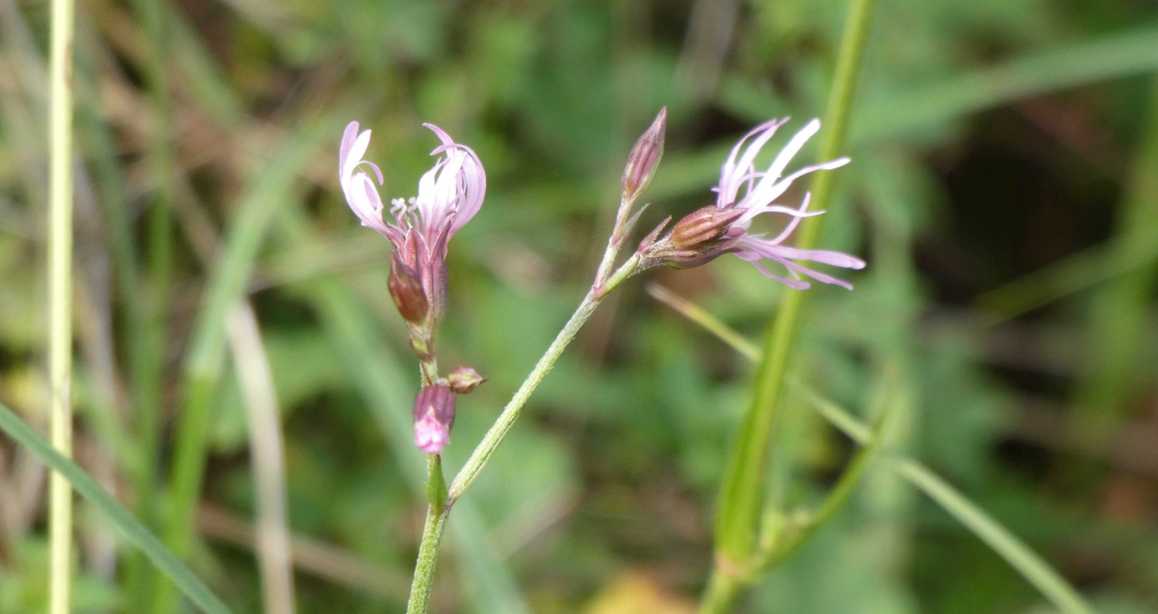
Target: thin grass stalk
[
  {"x": 741, "y": 496},
  {"x": 147, "y": 346},
  {"x": 60, "y": 300}
]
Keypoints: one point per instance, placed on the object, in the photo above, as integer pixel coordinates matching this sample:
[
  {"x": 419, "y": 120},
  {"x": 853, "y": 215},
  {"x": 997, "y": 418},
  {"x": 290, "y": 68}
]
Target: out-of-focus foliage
[{"x": 991, "y": 140}]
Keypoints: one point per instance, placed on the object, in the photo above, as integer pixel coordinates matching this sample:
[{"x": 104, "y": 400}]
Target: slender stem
[
  {"x": 723, "y": 589},
  {"x": 490, "y": 442},
  {"x": 741, "y": 496},
  {"x": 614, "y": 242},
  {"x": 60, "y": 300},
  {"x": 436, "y": 514},
  {"x": 423, "y": 582},
  {"x": 435, "y": 484},
  {"x": 440, "y": 502}
]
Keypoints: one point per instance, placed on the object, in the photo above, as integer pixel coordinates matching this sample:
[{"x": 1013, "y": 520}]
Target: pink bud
[
  {"x": 433, "y": 418},
  {"x": 463, "y": 380},
  {"x": 644, "y": 157}
]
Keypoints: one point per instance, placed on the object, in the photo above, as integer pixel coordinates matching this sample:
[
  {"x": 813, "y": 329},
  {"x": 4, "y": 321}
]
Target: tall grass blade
[{"x": 129, "y": 527}]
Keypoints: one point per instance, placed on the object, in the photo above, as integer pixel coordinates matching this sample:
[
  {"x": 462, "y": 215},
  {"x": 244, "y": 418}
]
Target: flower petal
[
  {"x": 769, "y": 190},
  {"x": 795, "y": 144},
  {"x": 355, "y": 153},
  {"x": 823, "y": 256},
  {"x": 796, "y": 267},
  {"x": 754, "y": 259},
  {"x": 348, "y": 136}
]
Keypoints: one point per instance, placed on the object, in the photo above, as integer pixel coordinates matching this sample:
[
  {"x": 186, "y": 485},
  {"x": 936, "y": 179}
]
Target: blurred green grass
[{"x": 992, "y": 140}]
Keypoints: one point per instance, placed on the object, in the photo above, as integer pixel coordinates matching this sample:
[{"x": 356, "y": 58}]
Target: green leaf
[{"x": 130, "y": 528}]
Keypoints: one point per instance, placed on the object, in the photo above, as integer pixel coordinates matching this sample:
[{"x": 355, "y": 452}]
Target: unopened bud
[
  {"x": 464, "y": 380},
  {"x": 406, "y": 290},
  {"x": 702, "y": 226},
  {"x": 433, "y": 418},
  {"x": 644, "y": 157}
]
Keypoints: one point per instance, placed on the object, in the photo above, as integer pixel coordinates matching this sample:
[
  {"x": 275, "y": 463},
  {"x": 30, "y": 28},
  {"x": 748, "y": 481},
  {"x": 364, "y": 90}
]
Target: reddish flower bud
[
  {"x": 644, "y": 157},
  {"x": 406, "y": 290},
  {"x": 433, "y": 418},
  {"x": 463, "y": 380},
  {"x": 703, "y": 226}
]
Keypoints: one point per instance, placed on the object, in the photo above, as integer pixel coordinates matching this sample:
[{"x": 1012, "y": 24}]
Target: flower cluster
[{"x": 452, "y": 192}]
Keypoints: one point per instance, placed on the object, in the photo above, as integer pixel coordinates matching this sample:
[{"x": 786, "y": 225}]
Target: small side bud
[
  {"x": 464, "y": 380},
  {"x": 644, "y": 158},
  {"x": 433, "y": 418},
  {"x": 406, "y": 290},
  {"x": 703, "y": 226}
]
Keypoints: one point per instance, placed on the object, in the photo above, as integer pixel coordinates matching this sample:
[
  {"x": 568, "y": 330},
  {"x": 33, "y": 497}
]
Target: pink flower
[
  {"x": 419, "y": 227},
  {"x": 743, "y": 193}
]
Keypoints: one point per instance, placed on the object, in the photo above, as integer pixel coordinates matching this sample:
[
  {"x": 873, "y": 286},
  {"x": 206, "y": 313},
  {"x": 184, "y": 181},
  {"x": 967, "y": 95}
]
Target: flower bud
[
  {"x": 702, "y": 226},
  {"x": 406, "y": 290},
  {"x": 644, "y": 158},
  {"x": 433, "y": 417},
  {"x": 464, "y": 380}
]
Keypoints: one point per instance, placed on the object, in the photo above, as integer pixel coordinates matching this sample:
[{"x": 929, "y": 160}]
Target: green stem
[
  {"x": 436, "y": 514},
  {"x": 423, "y": 582},
  {"x": 741, "y": 496},
  {"x": 441, "y": 502},
  {"x": 60, "y": 300},
  {"x": 723, "y": 589},
  {"x": 494, "y": 436}
]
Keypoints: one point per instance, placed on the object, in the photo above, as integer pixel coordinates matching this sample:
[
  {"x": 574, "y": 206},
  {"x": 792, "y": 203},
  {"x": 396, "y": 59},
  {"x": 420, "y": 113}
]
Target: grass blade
[
  {"x": 130, "y": 528},
  {"x": 1006, "y": 544},
  {"x": 1019, "y": 556}
]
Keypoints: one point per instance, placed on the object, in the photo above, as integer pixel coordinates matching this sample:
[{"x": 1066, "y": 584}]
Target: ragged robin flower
[
  {"x": 420, "y": 227},
  {"x": 743, "y": 193}
]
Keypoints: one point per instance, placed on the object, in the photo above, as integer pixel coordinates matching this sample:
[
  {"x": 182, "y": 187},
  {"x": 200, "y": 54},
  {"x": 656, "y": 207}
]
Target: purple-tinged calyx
[
  {"x": 406, "y": 290},
  {"x": 420, "y": 227},
  {"x": 743, "y": 193},
  {"x": 433, "y": 417}
]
